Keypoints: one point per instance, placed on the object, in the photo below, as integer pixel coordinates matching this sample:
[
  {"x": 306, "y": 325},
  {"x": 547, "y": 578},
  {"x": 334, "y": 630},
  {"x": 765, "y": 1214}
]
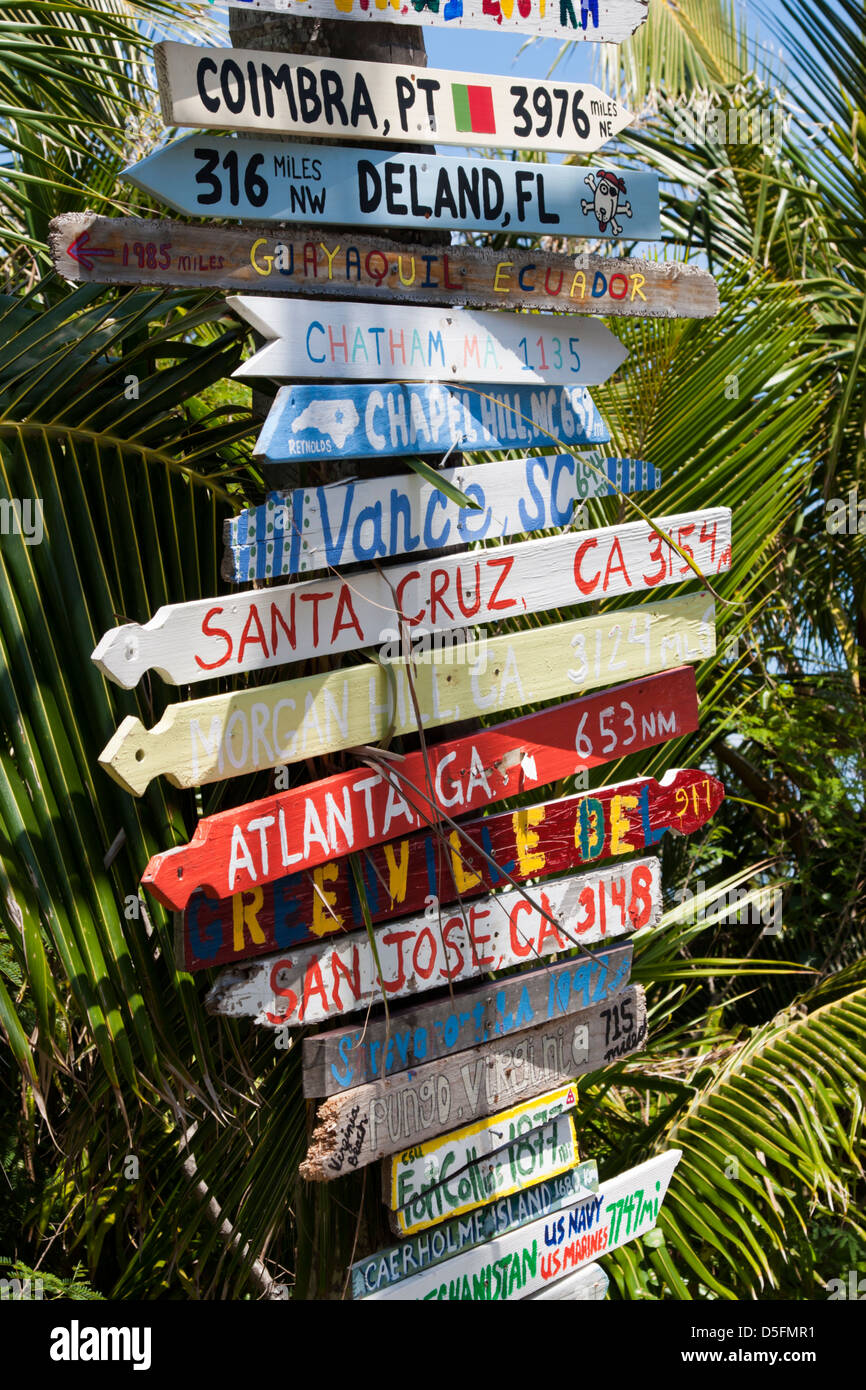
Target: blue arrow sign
[
  {"x": 348, "y": 421},
  {"x": 281, "y": 181}
]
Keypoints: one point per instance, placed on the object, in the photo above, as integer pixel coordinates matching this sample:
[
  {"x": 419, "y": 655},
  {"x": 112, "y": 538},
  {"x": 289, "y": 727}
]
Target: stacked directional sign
[{"x": 465, "y": 1090}]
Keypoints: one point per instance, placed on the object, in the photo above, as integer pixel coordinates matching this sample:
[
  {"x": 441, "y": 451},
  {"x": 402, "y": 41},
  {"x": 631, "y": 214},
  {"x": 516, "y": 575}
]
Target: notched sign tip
[
  {"x": 125, "y": 753},
  {"x": 117, "y": 655}
]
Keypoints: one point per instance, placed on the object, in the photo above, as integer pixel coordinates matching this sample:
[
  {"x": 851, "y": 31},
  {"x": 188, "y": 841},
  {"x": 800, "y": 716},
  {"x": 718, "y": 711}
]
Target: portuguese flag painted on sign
[{"x": 473, "y": 109}]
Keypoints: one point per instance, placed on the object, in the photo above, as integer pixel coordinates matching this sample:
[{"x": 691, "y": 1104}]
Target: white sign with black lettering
[{"x": 292, "y": 94}]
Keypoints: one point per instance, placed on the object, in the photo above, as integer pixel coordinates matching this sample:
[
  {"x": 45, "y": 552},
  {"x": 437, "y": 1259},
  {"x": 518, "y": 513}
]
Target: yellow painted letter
[
  {"x": 397, "y": 873},
  {"x": 527, "y": 839},
  {"x": 619, "y": 824},
  {"x": 636, "y": 282},
  {"x": 462, "y": 878},
  {"x": 499, "y": 288},
  {"x": 245, "y": 914},
  {"x": 325, "y": 919},
  {"x": 267, "y": 261}
]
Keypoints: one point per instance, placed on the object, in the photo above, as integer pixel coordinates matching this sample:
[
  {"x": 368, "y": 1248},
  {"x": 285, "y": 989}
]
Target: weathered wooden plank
[
  {"x": 350, "y": 811},
  {"x": 384, "y": 1117},
  {"x": 336, "y": 1061},
  {"x": 540, "y": 1152},
  {"x": 234, "y": 850},
  {"x": 223, "y": 735},
  {"x": 349, "y": 522},
  {"x": 282, "y": 181},
  {"x": 411, "y": 1172},
  {"x": 399, "y": 342},
  {"x": 262, "y": 628},
  {"x": 421, "y": 953},
  {"x": 407, "y": 874},
  {"x": 600, "y": 21},
  {"x": 307, "y": 261},
  {"x": 417, "y": 1253},
  {"x": 396, "y": 419},
  {"x": 410, "y": 1176},
  {"x": 589, "y": 1283},
  {"x": 225, "y": 857},
  {"x": 297, "y": 94},
  {"x": 537, "y": 1255}
]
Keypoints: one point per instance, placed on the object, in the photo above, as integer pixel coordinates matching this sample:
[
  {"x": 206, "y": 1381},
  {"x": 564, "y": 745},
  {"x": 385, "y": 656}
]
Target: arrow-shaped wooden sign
[
  {"x": 266, "y": 726},
  {"x": 415, "y": 1254},
  {"x": 262, "y": 628},
  {"x": 296, "y": 94},
  {"x": 536, "y": 1255},
  {"x": 353, "y": 810},
  {"x": 380, "y": 342},
  {"x": 253, "y": 844},
  {"x": 600, "y": 21},
  {"x": 269, "y": 725},
  {"x": 403, "y": 1039},
  {"x": 383, "y": 1117},
  {"x": 542, "y": 1152},
  {"x": 453, "y": 1173},
  {"x": 138, "y": 251},
  {"x": 372, "y": 519},
  {"x": 393, "y": 419},
  {"x": 407, "y": 1174},
  {"x": 281, "y": 181},
  {"x": 415, "y": 954},
  {"x": 407, "y": 874}
]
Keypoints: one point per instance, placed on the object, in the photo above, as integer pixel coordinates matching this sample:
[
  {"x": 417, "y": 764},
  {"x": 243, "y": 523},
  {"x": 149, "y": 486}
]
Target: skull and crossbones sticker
[{"x": 606, "y": 203}]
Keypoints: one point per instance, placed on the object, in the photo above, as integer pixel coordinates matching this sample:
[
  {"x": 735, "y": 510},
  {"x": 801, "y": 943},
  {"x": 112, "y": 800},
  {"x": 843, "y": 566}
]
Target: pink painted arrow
[{"x": 82, "y": 253}]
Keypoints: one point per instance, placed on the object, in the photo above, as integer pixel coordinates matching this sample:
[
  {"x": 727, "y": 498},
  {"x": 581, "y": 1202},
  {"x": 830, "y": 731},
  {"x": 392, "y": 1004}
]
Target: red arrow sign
[
  {"x": 82, "y": 253},
  {"x": 402, "y": 876},
  {"x": 306, "y": 826}
]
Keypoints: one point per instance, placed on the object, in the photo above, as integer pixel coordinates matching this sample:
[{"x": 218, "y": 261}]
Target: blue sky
[
  {"x": 473, "y": 50},
  {"x": 476, "y": 50}
]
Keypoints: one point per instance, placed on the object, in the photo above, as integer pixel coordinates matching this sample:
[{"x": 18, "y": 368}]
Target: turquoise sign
[{"x": 282, "y": 181}]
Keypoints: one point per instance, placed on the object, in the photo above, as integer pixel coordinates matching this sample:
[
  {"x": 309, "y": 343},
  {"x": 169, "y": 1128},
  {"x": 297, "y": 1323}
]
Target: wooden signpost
[
  {"x": 405, "y": 1038},
  {"x": 535, "y": 1256},
  {"x": 470, "y": 1167},
  {"x": 415, "y": 1254},
  {"x": 310, "y": 261},
  {"x": 396, "y": 419},
  {"x": 464, "y": 1094},
  {"x": 376, "y": 342},
  {"x": 260, "y": 628},
  {"x": 385, "y": 1117},
  {"x": 226, "y": 735},
  {"x": 416, "y": 954},
  {"x": 349, "y": 811},
  {"x": 359, "y": 520},
  {"x": 489, "y": 766},
  {"x": 282, "y": 181},
  {"x": 601, "y": 21},
  {"x": 204, "y": 740},
  {"x": 296, "y": 94},
  {"x": 405, "y": 875},
  {"x": 189, "y": 642}
]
